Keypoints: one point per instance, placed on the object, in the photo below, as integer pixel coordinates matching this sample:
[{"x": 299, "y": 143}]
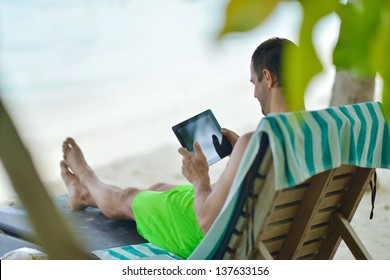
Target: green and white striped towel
[
  {"x": 134, "y": 252},
  {"x": 307, "y": 143}
]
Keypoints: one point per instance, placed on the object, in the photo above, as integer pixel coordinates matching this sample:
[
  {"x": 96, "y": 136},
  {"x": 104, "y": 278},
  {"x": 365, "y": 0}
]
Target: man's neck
[{"x": 277, "y": 102}]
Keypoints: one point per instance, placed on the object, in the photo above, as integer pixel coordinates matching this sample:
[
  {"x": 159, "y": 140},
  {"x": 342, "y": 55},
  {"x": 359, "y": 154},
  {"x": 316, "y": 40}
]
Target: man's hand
[
  {"x": 223, "y": 149},
  {"x": 195, "y": 167},
  {"x": 231, "y": 136}
]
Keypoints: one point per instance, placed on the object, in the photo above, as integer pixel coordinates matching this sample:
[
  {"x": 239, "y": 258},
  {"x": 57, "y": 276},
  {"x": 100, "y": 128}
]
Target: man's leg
[{"x": 85, "y": 189}]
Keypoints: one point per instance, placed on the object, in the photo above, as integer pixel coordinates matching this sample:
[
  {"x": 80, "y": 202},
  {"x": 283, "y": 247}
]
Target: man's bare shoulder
[
  {"x": 244, "y": 139},
  {"x": 240, "y": 147}
]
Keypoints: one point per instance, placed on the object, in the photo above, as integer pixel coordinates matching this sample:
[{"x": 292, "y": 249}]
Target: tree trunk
[{"x": 350, "y": 90}]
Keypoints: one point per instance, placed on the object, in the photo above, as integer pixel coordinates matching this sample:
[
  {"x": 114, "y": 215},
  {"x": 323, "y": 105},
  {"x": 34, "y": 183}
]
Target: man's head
[{"x": 266, "y": 72}]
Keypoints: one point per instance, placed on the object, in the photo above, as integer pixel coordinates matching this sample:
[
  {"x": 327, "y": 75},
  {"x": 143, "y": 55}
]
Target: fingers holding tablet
[
  {"x": 230, "y": 135},
  {"x": 194, "y": 166},
  {"x": 224, "y": 148}
]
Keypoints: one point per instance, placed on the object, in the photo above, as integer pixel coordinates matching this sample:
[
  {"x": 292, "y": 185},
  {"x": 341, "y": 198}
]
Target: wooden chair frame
[{"x": 307, "y": 221}]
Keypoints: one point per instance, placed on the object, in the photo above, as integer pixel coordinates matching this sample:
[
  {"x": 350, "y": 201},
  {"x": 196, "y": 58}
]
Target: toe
[
  {"x": 64, "y": 168},
  {"x": 65, "y": 172},
  {"x": 71, "y": 142},
  {"x": 65, "y": 149}
]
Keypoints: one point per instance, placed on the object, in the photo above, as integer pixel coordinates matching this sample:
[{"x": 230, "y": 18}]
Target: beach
[{"x": 88, "y": 73}]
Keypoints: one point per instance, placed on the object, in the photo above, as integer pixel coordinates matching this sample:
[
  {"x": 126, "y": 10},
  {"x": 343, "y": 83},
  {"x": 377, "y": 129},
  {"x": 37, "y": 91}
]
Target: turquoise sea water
[{"x": 49, "y": 45}]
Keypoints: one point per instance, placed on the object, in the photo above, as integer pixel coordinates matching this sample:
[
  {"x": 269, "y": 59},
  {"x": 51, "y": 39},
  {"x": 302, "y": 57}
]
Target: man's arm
[{"x": 208, "y": 201}]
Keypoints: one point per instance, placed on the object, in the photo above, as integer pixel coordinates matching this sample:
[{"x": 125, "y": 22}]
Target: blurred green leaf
[
  {"x": 302, "y": 64},
  {"x": 379, "y": 57},
  {"x": 244, "y": 15},
  {"x": 359, "y": 23},
  {"x": 386, "y": 100}
]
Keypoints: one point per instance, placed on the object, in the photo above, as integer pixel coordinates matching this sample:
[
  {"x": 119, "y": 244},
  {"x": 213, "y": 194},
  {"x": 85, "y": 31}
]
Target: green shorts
[{"x": 167, "y": 219}]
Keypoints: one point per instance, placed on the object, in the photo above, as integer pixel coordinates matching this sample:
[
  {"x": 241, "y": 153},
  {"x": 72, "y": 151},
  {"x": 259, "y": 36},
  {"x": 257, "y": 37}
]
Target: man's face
[{"x": 260, "y": 90}]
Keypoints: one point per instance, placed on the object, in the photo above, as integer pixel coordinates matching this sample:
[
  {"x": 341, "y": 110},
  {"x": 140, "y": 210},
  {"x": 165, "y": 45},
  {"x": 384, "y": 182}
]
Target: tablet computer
[{"x": 204, "y": 129}]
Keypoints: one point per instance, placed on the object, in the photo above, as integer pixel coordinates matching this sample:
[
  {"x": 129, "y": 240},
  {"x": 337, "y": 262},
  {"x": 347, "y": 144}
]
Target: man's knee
[
  {"x": 124, "y": 209},
  {"x": 127, "y": 195},
  {"x": 161, "y": 187}
]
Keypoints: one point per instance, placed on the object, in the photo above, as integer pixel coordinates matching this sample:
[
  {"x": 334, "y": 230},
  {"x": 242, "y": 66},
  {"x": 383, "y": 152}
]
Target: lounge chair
[
  {"x": 301, "y": 179},
  {"x": 10, "y": 243},
  {"x": 92, "y": 230}
]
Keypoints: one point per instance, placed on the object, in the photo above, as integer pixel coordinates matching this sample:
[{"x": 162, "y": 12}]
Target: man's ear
[{"x": 269, "y": 78}]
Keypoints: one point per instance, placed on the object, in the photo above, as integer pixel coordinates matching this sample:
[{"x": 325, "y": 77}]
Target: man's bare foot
[
  {"x": 74, "y": 159},
  {"x": 79, "y": 196}
]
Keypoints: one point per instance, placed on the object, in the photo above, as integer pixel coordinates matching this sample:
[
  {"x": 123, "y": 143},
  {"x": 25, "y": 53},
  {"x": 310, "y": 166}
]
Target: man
[{"x": 177, "y": 217}]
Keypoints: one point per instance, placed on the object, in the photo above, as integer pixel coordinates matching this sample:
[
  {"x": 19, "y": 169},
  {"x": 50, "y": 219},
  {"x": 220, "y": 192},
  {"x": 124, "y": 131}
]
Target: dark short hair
[{"x": 268, "y": 55}]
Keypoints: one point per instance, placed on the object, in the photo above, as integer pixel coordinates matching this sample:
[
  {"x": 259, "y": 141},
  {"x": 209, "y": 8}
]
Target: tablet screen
[{"x": 204, "y": 129}]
